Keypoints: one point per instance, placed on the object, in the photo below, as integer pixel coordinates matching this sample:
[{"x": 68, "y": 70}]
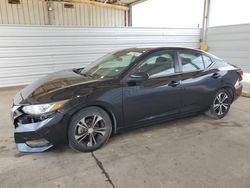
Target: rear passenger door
[{"x": 197, "y": 80}]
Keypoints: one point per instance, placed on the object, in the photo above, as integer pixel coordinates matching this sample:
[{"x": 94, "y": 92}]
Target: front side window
[
  {"x": 111, "y": 65},
  {"x": 158, "y": 65},
  {"x": 191, "y": 61}
]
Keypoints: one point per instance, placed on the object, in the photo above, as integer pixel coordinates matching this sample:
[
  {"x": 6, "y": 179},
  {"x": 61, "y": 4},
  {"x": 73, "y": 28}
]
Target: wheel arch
[
  {"x": 231, "y": 90},
  {"x": 111, "y": 115}
]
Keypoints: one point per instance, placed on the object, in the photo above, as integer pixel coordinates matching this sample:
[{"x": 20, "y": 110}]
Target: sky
[{"x": 189, "y": 13}]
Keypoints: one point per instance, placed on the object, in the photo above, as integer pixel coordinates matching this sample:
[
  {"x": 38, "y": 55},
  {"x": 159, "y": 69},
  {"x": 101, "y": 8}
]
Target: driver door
[{"x": 157, "y": 97}]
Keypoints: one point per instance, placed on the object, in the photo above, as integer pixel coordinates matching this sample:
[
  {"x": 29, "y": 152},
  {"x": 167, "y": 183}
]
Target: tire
[
  {"x": 89, "y": 129},
  {"x": 220, "y": 105}
]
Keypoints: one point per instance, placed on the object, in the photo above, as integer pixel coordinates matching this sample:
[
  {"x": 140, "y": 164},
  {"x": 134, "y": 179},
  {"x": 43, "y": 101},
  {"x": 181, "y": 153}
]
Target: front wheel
[
  {"x": 89, "y": 129},
  {"x": 221, "y": 105}
]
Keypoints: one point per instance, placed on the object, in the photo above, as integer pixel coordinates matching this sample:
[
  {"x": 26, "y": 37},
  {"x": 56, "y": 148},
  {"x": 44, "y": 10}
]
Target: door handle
[
  {"x": 216, "y": 75},
  {"x": 174, "y": 83}
]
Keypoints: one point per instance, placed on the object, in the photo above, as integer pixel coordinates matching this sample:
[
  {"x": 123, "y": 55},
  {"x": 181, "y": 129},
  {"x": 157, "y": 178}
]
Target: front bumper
[
  {"x": 38, "y": 134},
  {"x": 27, "y": 133},
  {"x": 23, "y": 147}
]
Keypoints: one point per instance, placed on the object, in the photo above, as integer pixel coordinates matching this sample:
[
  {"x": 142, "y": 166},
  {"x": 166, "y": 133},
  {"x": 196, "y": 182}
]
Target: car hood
[{"x": 53, "y": 83}]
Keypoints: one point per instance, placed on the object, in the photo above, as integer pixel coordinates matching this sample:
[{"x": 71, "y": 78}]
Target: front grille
[
  {"x": 26, "y": 136},
  {"x": 15, "y": 114}
]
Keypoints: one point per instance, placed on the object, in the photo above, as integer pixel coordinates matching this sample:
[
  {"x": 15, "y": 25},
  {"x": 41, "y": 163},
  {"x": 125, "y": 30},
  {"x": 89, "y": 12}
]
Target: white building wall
[
  {"x": 27, "y": 53},
  {"x": 231, "y": 43}
]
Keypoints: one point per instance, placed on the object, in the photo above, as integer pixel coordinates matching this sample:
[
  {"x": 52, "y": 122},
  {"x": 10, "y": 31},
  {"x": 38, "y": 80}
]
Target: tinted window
[
  {"x": 191, "y": 61},
  {"x": 207, "y": 61},
  {"x": 158, "y": 65}
]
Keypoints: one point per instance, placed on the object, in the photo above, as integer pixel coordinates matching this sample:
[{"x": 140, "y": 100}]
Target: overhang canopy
[
  {"x": 113, "y": 2},
  {"x": 122, "y": 2}
]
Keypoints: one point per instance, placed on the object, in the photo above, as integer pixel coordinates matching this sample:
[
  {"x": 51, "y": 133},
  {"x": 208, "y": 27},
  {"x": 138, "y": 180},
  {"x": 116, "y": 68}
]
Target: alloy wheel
[
  {"x": 221, "y": 103},
  {"x": 90, "y": 130}
]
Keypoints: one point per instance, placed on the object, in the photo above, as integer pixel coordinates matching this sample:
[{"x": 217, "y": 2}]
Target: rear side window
[
  {"x": 191, "y": 61},
  {"x": 207, "y": 61}
]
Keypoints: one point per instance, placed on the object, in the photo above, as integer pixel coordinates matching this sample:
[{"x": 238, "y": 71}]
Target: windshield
[{"x": 111, "y": 65}]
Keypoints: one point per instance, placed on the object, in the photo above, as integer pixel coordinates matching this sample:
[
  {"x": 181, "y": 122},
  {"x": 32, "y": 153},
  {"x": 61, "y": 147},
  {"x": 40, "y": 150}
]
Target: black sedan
[{"x": 123, "y": 90}]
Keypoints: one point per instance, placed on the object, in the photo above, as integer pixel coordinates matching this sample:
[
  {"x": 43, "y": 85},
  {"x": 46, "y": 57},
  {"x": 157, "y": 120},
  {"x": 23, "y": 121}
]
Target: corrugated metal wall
[
  {"x": 88, "y": 15},
  {"x": 232, "y": 43},
  {"x": 27, "y": 12},
  {"x": 35, "y": 12},
  {"x": 27, "y": 53}
]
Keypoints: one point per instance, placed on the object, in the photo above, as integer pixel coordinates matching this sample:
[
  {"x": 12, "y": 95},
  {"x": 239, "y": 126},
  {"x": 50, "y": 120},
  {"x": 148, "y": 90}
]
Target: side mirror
[{"x": 138, "y": 76}]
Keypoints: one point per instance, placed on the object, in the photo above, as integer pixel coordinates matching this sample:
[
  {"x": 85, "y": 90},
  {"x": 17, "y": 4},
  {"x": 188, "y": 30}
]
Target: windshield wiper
[
  {"x": 79, "y": 71},
  {"x": 76, "y": 71},
  {"x": 85, "y": 74}
]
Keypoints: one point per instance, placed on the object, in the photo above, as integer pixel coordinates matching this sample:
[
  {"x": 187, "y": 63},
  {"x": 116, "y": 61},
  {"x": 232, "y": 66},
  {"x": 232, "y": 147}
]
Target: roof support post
[
  {"x": 51, "y": 11},
  {"x": 130, "y": 15},
  {"x": 205, "y": 21}
]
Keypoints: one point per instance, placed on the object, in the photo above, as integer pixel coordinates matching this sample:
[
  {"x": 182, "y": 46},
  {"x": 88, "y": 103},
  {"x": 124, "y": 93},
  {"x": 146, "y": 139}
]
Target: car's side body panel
[
  {"x": 150, "y": 99},
  {"x": 198, "y": 89}
]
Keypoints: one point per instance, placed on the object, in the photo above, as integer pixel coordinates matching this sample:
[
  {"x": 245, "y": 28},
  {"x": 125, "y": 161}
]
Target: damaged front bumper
[
  {"x": 38, "y": 133},
  {"x": 28, "y": 140}
]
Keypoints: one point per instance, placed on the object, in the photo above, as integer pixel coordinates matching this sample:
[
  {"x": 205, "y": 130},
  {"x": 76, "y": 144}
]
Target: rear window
[
  {"x": 219, "y": 63},
  {"x": 213, "y": 56}
]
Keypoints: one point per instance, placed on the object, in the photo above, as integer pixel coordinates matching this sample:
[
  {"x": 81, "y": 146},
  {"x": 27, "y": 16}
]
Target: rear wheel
[
  {"x": 221, "y": 104},
  {"x": 89, "y": 129}
]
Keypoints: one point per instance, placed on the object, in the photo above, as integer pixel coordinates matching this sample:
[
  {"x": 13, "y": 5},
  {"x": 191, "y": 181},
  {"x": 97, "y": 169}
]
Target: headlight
[{"x": 43, "y": 108}]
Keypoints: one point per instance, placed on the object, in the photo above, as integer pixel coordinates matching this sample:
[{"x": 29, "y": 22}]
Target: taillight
[{"x": 241, "y": 73}]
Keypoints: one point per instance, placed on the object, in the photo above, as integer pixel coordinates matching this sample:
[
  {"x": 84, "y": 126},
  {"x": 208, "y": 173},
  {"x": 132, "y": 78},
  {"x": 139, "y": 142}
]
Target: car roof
[{"x": 155, "y": 49}]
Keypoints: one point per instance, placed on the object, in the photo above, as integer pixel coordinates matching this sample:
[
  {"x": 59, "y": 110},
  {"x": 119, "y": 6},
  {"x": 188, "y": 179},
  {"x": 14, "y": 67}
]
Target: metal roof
[
  {"x": 121, "y": 2},
  {"x": 112, "y": 2}
]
